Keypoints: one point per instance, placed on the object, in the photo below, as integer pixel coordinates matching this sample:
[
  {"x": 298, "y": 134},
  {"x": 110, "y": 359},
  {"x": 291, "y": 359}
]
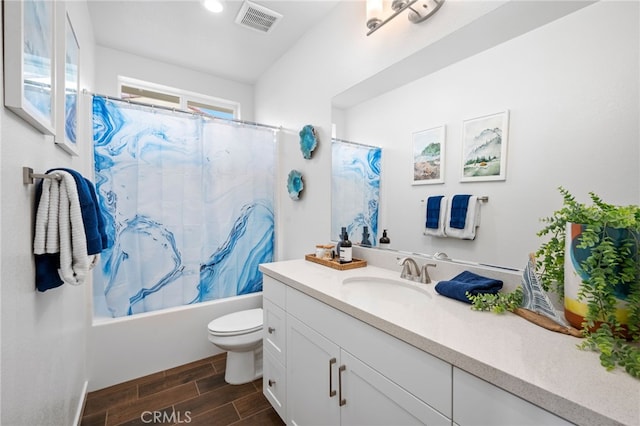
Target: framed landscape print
[
  {"x": 29, "y": 62},
  {"x": 428, "y": 156},
  {"x": 484, "y": 148}
]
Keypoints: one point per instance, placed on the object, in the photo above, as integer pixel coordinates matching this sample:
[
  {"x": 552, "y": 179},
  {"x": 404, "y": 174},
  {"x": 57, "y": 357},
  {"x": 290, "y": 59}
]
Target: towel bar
[
  {"x": 28, "y": 177},
  {"x": 484, "y": 199}
]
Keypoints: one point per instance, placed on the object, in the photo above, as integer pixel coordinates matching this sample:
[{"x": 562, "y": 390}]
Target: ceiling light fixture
[
  {"x": 214, "y": 6},
  {"x": 419, "y": 10}
]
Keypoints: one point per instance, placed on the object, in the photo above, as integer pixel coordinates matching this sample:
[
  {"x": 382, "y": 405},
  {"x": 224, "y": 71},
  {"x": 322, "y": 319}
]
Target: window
[{"x": 155, "y": 94}]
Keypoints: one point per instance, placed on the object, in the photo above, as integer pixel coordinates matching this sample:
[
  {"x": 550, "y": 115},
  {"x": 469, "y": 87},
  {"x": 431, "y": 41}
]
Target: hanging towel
[
  {"x": 464, "y": 211},
  {"x": 459, "y": 208},
  {"x": 94, "y": 227},
  {"x": 467, "y": 281},
  {"x": 62, "y": 250},
  {"x": 436, "y": 216}
]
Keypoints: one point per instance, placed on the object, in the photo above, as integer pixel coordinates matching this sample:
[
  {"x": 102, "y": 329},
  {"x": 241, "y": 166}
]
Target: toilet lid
[{"x": 237, "y": 322}]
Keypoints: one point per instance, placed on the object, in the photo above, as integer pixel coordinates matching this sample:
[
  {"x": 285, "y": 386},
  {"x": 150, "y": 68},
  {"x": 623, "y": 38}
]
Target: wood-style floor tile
[
  {"x": 193, "y": 394},
  {"x": 156, "y": 401},
  {"x": 221, "y": 416},
  {"x": 251, "y": 404},
  {"x": 175, "y": 378},
  {"x": 109, "y": 397},
  {"x": 215, "y": 398},
  {"x": 263, "y": 418}
]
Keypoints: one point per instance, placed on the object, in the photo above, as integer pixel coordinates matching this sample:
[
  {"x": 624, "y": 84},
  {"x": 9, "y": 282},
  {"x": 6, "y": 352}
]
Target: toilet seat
[{"x": 237, "y": 323}]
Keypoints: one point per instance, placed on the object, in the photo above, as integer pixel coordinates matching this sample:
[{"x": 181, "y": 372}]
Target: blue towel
[
  {"x": 459, "y": 205},
  {"x": 467, "y": 281},
  {"x": 92, "y": 219},
  {"x": 433, "y": 211}
]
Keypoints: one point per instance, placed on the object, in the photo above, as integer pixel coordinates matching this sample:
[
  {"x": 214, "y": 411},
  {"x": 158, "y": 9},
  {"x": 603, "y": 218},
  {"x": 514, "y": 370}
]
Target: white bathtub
[{"x": 121, "y": 349}]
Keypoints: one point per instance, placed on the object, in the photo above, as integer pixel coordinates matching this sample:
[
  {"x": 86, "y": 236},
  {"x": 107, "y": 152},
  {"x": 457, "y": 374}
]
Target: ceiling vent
[{"x": 256, "y": 17}]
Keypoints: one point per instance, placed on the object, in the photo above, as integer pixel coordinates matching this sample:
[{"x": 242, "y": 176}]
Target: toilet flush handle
[{"x": 271, "y": 330}]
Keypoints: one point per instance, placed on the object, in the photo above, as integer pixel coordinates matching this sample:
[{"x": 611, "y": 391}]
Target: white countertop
[{"x": 538, "y": 365}]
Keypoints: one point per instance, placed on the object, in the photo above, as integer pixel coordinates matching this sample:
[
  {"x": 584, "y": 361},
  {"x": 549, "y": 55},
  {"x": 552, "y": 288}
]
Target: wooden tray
[{"x": 355, "y": 263}]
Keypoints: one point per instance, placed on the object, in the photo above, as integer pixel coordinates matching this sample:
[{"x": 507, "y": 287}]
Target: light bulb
[
  {"x": 374, "y": 13},
  {"x": 214, "y": 6}
]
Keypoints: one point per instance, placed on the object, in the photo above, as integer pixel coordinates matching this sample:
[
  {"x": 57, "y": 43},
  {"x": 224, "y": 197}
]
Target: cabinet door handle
[
  {"x": 340, "y": 370},
  {"x": 271, "y": 330},
  {"x": 271, "y": 382},
  {"x": 332, "y": 392}
]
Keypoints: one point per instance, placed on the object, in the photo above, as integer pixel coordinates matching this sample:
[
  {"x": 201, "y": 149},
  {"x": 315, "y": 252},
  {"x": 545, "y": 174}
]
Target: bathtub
[{"x": 125, "y": 348}]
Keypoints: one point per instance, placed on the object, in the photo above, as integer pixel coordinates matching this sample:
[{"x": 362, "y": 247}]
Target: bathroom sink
[{"x": 382, "y": 292}]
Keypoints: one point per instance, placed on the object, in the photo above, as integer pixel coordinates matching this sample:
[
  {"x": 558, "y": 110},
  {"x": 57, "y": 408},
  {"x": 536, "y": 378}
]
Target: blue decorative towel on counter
[
  {"x": 467, "y": 281},
  {"x": 433, "y": 211},
  {"x": 459, "y": 206}
]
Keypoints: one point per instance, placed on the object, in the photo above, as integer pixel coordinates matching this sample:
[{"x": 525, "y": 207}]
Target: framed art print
[
  {"x": 29, "y": 62},
  {"x": 428, "y": 156},
  {"x": 68, "y": 82},
  {"x": 484, "y": 148}
]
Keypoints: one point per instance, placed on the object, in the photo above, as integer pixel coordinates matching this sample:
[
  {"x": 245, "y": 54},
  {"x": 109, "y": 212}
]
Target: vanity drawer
[
  {"x": 273, "y": 290},
  {"x": 275, "y": 334},
  {"x": 274, "y": 385}
]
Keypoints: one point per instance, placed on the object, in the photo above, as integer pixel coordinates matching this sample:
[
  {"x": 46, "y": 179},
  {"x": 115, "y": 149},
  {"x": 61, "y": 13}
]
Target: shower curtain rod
[
  {"x": 202, "y": 114},
  {"x": 354, "y": 143}
]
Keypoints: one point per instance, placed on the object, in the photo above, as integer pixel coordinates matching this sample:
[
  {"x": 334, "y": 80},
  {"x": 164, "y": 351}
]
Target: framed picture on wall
[
  {"x": 484, "y": 148},
  {"x": 68, "y": 82},
  {"x": 29, "y": 62},
  {"x": 428, "y": 156}
]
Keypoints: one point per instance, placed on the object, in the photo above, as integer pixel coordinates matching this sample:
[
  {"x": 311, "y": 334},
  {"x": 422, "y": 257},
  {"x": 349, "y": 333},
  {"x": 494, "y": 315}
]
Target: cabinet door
[
  {"x": 312, "y": 373},
  {"x": 476, "y": 402},
  {"x": 274, "y": 383},
  {"x": 371, "y": 399}
]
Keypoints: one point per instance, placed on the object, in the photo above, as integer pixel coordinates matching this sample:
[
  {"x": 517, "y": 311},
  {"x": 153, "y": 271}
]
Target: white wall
[
  {"x": 43, "y": 334},
  {"x": 297, "y": 90},
  {"x": 572, "y": 88},
  {"x": 527, "y": 75},
  {"x": 110, "y": 64}
]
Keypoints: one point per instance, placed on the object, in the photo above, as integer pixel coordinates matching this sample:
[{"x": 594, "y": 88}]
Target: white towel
[
  {"x": 440, "y": 230},
  {"x": 472, "y": 221},
  {"x": 42, "y": 219},
  {"x": 59, "y": 228}
]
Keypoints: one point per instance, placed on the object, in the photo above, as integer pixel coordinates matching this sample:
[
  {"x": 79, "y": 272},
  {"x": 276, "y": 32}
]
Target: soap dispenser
[
  {"x": 345, "y": 250},
  {"x": 385, "y": 242},
  {"x": 365, "y": 237},
  {"x": 343, "y": 232}
]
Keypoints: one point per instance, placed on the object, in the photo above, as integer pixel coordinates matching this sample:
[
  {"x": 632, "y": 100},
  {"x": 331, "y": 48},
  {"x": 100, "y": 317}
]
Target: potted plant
[{"x": 603, "y": 250}]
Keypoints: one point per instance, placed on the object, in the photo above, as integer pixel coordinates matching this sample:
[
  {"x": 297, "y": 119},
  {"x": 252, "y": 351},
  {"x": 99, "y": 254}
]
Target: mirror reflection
[
  {"x": 355, "y": 191},
  {"x": 571, "y": 89}
]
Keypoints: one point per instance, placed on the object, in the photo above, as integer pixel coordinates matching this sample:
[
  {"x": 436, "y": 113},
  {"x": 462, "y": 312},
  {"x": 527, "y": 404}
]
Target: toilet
[{"x": 240, "y": 334}]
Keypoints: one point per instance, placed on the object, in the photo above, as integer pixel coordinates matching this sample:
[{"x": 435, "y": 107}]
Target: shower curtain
[{"x": 188, "y": 204}]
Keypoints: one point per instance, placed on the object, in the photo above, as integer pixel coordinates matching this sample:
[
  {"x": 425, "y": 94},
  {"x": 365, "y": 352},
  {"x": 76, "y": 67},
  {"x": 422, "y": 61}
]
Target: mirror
[{"x": 571, "y": 123}]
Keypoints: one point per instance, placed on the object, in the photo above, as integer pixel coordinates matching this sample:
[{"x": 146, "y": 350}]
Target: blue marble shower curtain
[
  {"x": 188, "y": 204},
  {"x": 355, "y": 189}
]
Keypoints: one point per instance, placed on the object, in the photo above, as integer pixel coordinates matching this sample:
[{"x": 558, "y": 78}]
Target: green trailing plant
[
  {"x": 498, "y": 303},
  {"x": 610, "y": 234}
]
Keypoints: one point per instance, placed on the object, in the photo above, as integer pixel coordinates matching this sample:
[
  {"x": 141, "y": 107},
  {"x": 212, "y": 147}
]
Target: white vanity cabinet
[
  {"x": 396, "y": 360},
  {"x": 340, "y": 370}
]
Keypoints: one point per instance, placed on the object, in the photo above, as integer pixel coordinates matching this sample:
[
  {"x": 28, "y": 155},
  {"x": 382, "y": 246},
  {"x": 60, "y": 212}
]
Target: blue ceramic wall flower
[
  {"x": 295, "y": 184},
  {"x": 308, "y": 140}
]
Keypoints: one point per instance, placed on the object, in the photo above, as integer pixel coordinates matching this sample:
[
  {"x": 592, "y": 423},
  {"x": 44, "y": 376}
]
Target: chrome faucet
[
  {"x": 424, "y": 273},
  {"x": 411, "y": 270}
]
